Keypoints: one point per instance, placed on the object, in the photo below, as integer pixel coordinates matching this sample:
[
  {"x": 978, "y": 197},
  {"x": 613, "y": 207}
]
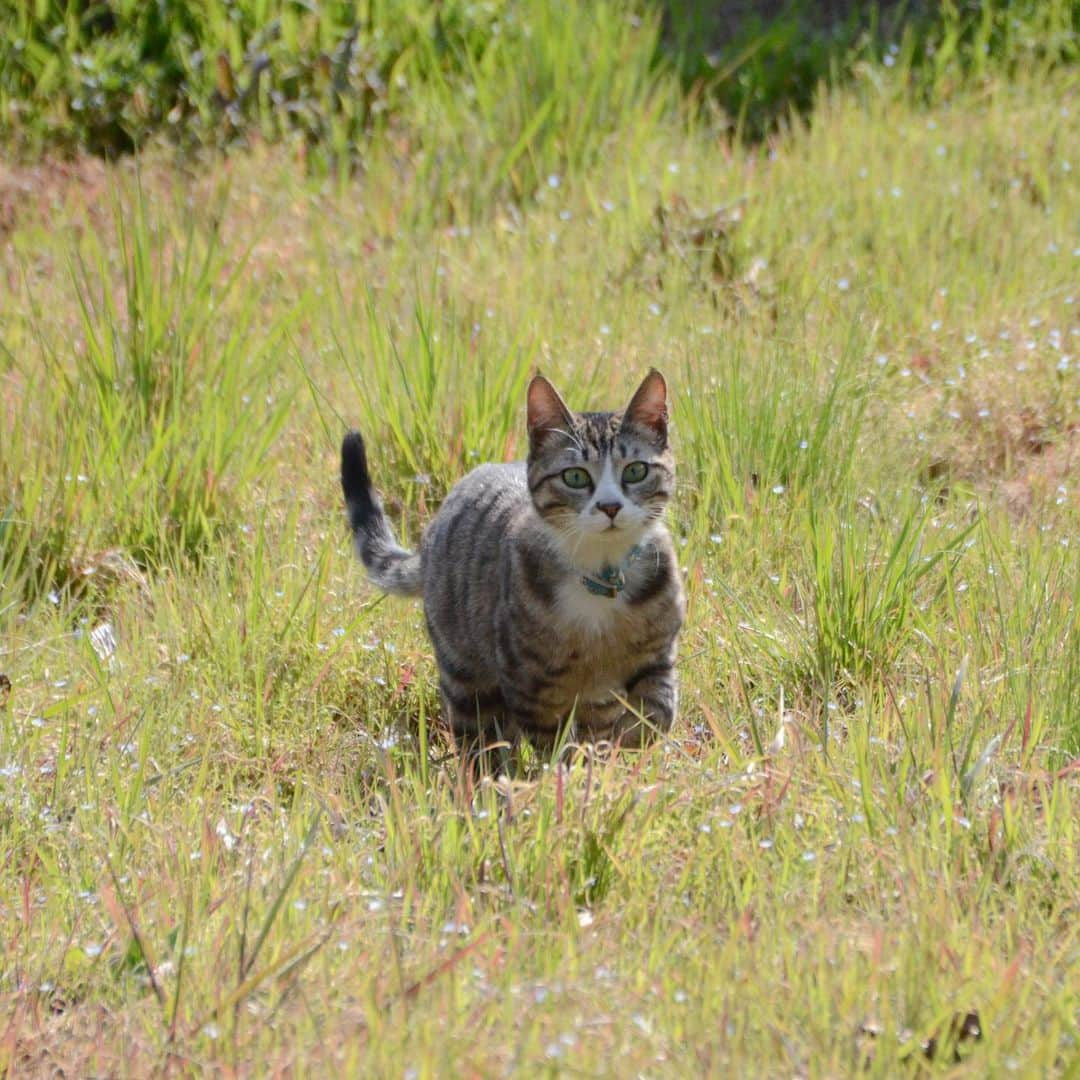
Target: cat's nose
[{"x": 611, "y": 508}]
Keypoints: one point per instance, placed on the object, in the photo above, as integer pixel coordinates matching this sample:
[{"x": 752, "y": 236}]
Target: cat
[{"x": 552, "y": 594}]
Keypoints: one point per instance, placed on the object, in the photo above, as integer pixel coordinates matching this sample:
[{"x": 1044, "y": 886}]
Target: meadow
[{"x": 235, "y": 838}]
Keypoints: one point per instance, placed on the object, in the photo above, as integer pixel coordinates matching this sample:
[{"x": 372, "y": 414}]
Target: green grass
[{"x": 240, "y": 840}]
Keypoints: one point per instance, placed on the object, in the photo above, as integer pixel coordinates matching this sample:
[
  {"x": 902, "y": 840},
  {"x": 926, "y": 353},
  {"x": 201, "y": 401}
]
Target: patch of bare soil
[
  {"x": 998, "y": 420},
  {"x": 1024, "y": 454},
  {"x": 49, "y": 188}
]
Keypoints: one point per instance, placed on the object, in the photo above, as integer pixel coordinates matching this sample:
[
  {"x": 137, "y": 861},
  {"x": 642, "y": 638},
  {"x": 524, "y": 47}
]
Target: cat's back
[
  {"x": 487, "y": 490},
  {"x": 473, "y": 519},
  {"x": 459, "y": 556}
]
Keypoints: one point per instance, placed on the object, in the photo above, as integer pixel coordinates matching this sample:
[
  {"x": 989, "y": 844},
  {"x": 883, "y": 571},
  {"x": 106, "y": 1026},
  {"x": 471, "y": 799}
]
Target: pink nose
[{"x": 611, "y": 509}]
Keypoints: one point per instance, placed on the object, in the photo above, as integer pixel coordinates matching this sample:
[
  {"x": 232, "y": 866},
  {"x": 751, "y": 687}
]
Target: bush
[
  {"x": 761, "y": 62},
  {"x": 106, "y": 76}
]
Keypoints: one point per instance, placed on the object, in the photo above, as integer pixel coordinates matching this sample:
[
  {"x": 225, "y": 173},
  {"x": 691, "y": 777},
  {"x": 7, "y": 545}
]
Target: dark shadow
[{"x": 761, "y": 61}]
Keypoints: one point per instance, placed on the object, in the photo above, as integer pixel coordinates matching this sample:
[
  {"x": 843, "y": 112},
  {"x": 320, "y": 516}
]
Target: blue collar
[{"x": 610, "y": 580}]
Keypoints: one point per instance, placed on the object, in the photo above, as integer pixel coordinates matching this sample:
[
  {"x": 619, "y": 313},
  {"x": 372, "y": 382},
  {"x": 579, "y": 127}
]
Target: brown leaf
[{"x": 226, "y": 85}]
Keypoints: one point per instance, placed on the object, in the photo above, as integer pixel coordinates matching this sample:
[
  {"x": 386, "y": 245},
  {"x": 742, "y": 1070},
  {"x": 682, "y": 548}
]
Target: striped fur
[
  {"x": 389, "y": 565},
  {"x": 523, "y": 647}
]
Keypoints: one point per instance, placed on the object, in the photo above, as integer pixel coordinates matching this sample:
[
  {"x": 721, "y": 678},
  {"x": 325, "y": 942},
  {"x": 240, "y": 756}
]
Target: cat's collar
[{"x": 610, "y": 580}]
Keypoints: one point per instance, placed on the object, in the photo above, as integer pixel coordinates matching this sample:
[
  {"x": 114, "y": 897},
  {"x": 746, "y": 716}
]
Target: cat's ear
[
  {"x": 547, "y": 412},
  {"x": 648, "y": 409}
]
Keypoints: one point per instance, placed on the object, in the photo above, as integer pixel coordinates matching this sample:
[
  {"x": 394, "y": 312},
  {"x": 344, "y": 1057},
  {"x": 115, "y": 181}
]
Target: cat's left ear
[{"x": 648, "y": 407}]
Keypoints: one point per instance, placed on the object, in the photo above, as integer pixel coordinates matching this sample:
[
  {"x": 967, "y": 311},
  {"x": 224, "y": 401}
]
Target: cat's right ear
[{"x": 547, "y": 412}]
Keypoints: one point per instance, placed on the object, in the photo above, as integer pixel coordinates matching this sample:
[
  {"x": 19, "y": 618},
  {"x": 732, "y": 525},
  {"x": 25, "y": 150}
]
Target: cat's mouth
[{"x": 610, "y": 530}]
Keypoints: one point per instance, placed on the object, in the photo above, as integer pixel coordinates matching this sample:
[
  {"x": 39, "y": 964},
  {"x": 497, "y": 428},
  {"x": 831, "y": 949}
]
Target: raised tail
[{"x": 388, "y": 564}]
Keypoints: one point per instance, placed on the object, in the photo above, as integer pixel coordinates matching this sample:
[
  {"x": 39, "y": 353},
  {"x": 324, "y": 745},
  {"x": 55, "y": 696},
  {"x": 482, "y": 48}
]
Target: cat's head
[{"x": 600, "y": 480}]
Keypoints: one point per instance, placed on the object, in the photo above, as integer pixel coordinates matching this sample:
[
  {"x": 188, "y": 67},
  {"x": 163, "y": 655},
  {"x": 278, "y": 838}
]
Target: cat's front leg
[
  {"x": 652, "y": 694},
  {"x": 644, "y": 708},
  {"x": 595, "y": 721}
]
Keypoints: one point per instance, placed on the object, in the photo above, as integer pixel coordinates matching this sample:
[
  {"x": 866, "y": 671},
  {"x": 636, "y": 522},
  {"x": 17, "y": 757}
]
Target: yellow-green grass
[{"x": 241, "y": 840}]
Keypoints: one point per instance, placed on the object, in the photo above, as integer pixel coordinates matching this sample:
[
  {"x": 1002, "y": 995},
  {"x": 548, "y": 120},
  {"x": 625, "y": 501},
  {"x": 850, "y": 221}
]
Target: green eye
[
  {"x": 635, "y": 472},
  {"x": 576, "y": 478}
]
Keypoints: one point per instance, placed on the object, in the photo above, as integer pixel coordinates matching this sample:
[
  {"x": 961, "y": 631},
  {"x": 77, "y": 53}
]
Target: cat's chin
[{"x": 591, "y": 550}]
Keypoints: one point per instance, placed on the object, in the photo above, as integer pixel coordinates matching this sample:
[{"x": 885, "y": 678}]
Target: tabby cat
[{"x": 551, "y": 589}]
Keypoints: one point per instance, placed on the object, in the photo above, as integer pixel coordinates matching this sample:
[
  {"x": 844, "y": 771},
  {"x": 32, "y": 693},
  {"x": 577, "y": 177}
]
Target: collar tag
[{"x": 610, "y": 580}]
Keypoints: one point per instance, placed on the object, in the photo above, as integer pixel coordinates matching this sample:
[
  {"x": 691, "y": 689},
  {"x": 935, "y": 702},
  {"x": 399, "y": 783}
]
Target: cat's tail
[{"x": 388, "y": 564}]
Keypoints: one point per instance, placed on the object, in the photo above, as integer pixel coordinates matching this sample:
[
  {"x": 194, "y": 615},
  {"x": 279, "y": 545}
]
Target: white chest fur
[{"x": 586, "y": 613}]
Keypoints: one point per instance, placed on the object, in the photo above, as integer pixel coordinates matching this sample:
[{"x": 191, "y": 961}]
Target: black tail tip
[{"x": 355, "y": 480}]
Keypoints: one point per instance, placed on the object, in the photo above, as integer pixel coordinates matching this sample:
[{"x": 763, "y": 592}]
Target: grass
[{"x": 232, "y": 831}]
